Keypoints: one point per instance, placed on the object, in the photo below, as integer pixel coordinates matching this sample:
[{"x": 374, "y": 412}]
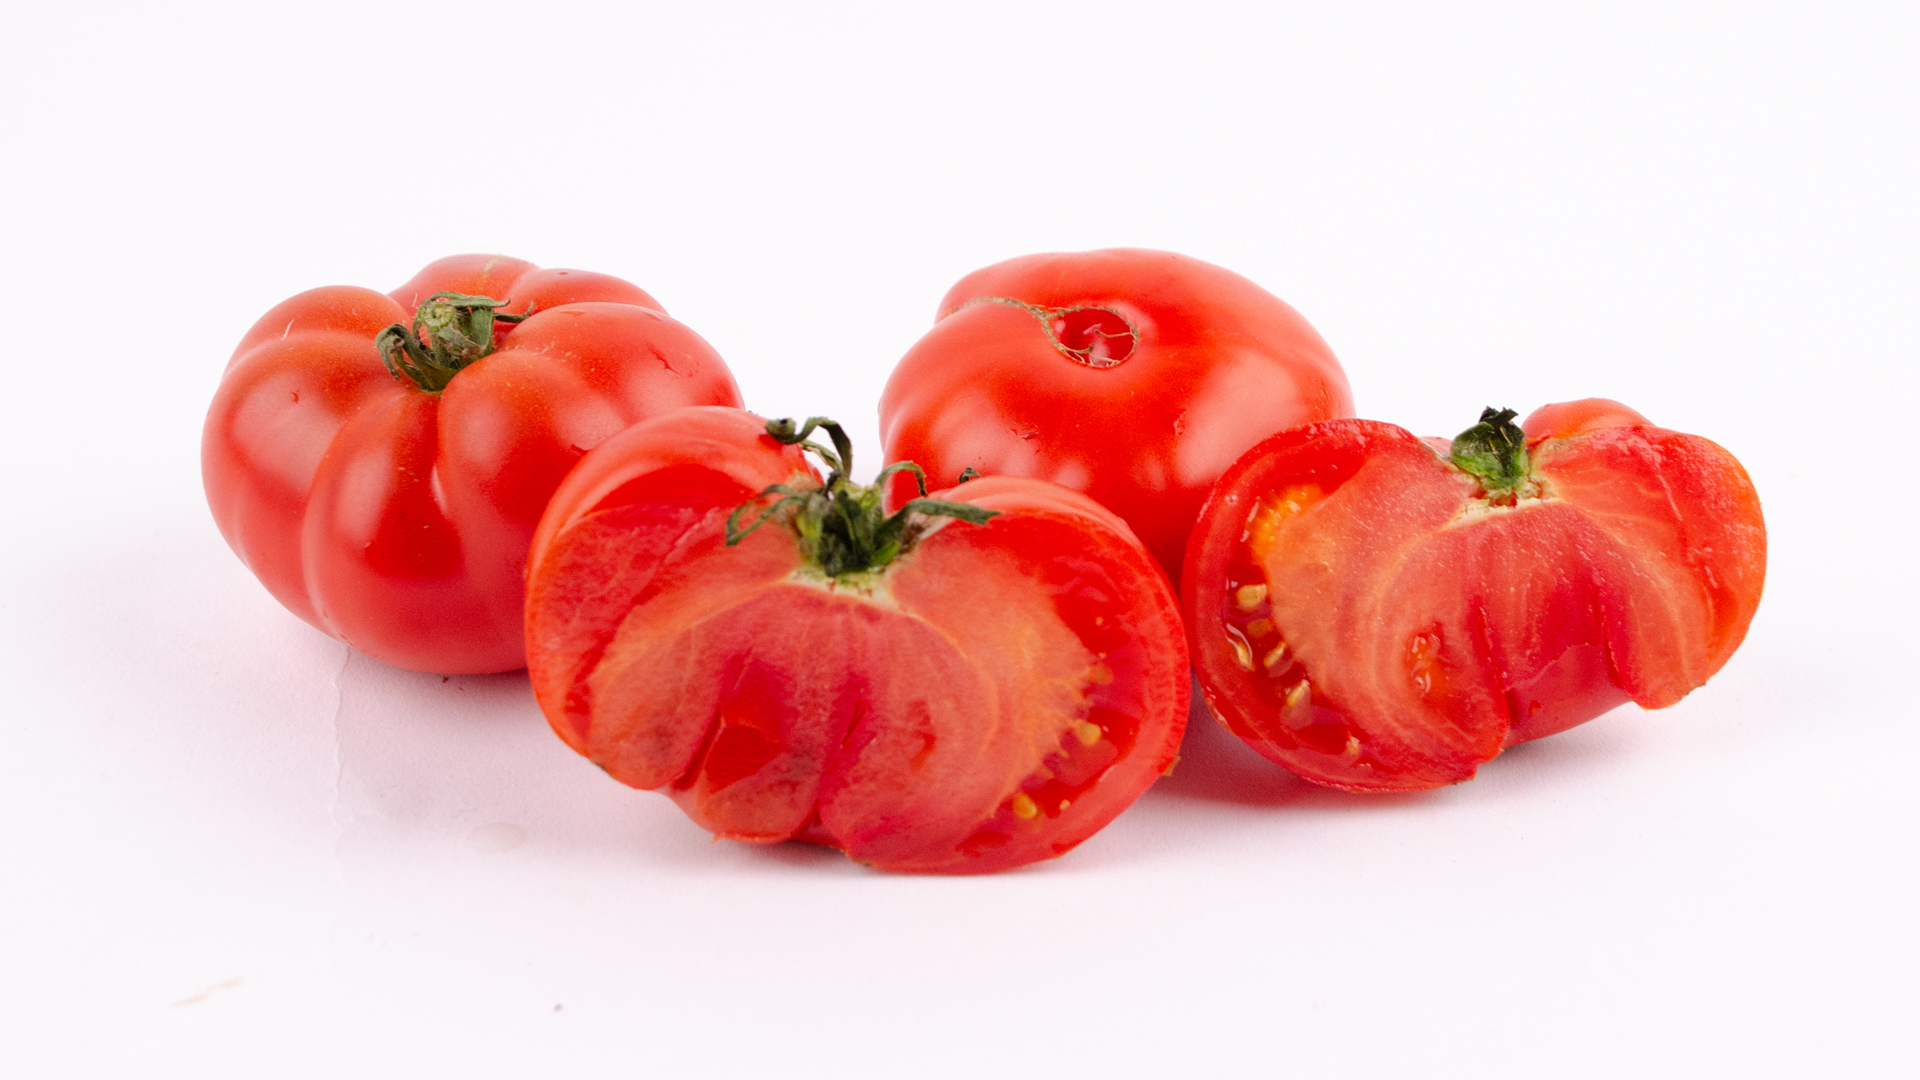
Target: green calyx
[
  {"x": 841, "y": 525},
  {"x": 450, "y": 330},
  {"x": 1495, "y": 452}
]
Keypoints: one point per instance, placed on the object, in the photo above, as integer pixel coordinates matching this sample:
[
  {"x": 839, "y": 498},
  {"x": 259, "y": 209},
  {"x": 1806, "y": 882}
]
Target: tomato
[
  {"x": 1379, "y": 613},
  {"x": 384, "y": 482},
  {"x": 958, "y": 693},
  {"x": 1134, "y": 376}
]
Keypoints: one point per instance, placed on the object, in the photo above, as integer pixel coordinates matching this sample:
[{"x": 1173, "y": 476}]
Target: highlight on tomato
[
  {"x": 976, "y": 681},
  {"x": 1378, "y": 612},
  {"x": 380, "y": 460},
  {"x": 1134, "y": 376}
]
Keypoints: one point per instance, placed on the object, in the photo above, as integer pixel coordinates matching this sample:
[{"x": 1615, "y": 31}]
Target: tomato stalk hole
[{"x": 1093, "y": 336}]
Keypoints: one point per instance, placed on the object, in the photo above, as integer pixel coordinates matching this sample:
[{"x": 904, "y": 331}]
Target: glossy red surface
[
  {"x": 398, "y": 520},
  {"x": 1134, "y": 376}
]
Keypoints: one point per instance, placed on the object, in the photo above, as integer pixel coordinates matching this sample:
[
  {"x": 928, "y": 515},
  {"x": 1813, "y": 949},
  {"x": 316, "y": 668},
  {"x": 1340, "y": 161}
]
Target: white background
[{"x": 228, "y": 847}]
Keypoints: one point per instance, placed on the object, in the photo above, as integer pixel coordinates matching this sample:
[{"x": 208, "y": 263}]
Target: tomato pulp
[
  {"x": 1134, "y": 376},
  {"x": 992, "y": 695},
  {"x": 1377, "y": 614},
  {"x": 388, "y": 501}
]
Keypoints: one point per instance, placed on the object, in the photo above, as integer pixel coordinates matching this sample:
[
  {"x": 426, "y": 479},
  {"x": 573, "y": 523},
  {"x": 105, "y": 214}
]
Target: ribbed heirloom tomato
[
  {"x": 1379, "y": 612},
  {"x": 971, "y": 683},
  {"x": 1134, "y": 376},
  {"x": 380, "y": 461}
]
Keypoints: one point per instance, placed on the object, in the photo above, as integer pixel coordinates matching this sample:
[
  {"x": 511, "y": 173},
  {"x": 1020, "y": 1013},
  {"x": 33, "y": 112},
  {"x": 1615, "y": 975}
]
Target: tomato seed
[{"x": 1298, "y": 694}]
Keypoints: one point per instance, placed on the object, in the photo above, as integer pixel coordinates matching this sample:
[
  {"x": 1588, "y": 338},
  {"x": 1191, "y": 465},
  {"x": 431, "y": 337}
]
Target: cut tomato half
[
  {"x": 1377, "y": 614},
  {"x": 992, "y": 695}
]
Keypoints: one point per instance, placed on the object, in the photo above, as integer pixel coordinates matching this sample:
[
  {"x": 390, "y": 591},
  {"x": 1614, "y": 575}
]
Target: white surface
[{"x": 230, "y": 848}]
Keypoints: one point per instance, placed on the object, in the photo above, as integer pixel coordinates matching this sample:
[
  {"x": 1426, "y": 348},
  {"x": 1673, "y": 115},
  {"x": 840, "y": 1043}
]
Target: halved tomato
[
  {"x": 1380, "y": 613},
  {"x": 977, "y": 682}
]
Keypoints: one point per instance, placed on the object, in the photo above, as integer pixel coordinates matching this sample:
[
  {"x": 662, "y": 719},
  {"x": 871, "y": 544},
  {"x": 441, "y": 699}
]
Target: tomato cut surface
[
  {"x": 1369, "y": 614},
  {"x": 990, "y": 697}
]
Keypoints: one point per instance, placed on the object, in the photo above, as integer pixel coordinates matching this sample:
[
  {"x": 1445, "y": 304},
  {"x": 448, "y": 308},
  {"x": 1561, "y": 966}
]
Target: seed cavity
[
  {"x": 1270, "y": 512},
  {"x": 1423, "y": 660}
]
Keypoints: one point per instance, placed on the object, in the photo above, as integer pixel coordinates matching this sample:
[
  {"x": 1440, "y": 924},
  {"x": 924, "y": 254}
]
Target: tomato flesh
[
  {"x": 992, "y": 697},
  {"x": 1366, "y": 616}
]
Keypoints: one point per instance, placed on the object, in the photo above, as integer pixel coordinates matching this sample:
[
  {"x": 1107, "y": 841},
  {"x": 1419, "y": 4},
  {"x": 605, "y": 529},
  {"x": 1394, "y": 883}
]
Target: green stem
[
  {"x": 841, "y": 525},
  {"x": 450, "y": 331},
  {"x": 1495, "y": 452}
]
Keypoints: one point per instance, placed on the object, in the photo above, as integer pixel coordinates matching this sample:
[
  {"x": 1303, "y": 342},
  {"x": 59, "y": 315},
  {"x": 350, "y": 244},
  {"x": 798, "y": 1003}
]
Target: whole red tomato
[
  {"x": 380, "y": 461},
  {"x": 1134, "y": 376},
  {"x": 972, "y": 683},
  {"x": 1377, "y": 612}
]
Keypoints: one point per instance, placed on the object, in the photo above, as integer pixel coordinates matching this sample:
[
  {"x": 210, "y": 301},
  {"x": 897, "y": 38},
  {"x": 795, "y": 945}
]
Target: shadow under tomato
[
  {"x": 794, "y": 854},
  {"x": 1216, "y": 767}
]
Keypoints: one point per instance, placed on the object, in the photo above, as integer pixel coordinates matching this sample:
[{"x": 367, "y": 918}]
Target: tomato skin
[
  {"x": 398, "y": 520},
  {"x": 1216, "y": 364},
  {"x": 1426, "y": 628},
  {"x": 992, "y": 697},
  {"x": 1564, "y": 420}
]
